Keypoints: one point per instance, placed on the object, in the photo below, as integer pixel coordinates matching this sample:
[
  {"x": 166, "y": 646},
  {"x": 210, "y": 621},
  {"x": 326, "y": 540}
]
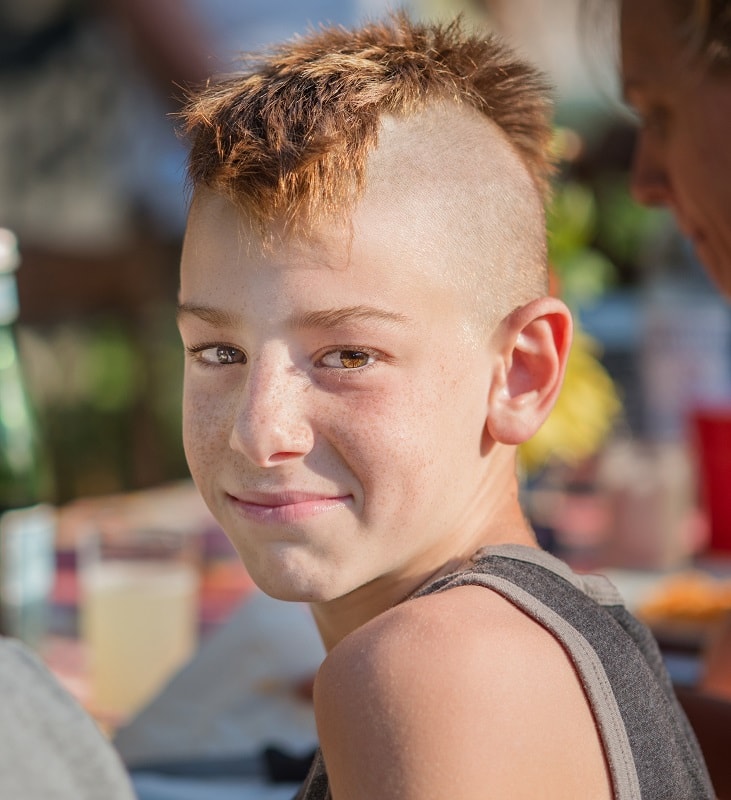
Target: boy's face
[{"x": 335, "y": 398}]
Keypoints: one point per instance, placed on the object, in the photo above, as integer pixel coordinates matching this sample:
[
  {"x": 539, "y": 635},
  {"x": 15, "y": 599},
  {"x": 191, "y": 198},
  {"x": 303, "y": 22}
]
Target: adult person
[
  {"x": 50, "y": 749},
  {"x": 676, "y": 73},
  {"x": 368, "y": 337}
]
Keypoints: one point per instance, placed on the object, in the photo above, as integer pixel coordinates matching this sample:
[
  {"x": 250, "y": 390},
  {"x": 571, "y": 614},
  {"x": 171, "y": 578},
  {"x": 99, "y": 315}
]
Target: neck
[{"x": 493, "y": 518}]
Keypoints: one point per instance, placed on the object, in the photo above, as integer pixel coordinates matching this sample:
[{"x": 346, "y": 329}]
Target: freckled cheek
[{"x": 206, "y": 430}]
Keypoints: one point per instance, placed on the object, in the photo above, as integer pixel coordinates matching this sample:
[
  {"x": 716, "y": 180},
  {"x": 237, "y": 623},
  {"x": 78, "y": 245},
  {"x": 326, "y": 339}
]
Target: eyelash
[
  {"x": 196, "y": 351},
  {"x": 342, "y": 372},
  {"x": 375, "y": 356}
]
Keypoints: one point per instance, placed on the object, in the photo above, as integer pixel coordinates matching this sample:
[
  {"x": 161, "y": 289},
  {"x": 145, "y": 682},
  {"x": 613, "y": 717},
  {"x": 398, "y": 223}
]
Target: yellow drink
[{"x": 139, "y": 621}]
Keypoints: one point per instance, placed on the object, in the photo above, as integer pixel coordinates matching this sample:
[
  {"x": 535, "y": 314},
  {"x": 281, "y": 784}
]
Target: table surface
[{"x": 224, "y": 582}]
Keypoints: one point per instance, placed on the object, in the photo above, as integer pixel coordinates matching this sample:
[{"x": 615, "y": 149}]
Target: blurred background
[
  {"x": 92, "y": 185},
  {"x": 91, "y": 182}
]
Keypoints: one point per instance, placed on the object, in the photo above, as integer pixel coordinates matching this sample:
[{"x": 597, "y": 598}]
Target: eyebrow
[
  {"x": 325, "y": 319},
  {"x": 333, "y": 317},
  {"x": 217, "y": 317}
]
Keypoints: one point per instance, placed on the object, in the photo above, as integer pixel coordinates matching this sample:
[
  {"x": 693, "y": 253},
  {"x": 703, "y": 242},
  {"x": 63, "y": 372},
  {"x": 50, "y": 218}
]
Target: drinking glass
[{"x": 138, "y": 613}]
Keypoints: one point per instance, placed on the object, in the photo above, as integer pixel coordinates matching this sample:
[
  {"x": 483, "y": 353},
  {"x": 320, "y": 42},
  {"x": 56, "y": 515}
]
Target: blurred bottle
[{"x": 27, "y": 520}]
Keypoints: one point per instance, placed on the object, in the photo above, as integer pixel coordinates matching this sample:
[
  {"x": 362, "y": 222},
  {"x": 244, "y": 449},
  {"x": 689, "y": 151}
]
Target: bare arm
[{"x": 456, "y": 695}]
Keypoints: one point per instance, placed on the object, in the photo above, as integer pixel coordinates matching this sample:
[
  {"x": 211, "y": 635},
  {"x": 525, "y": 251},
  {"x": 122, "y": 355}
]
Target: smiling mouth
[{"x": 285, "y": 507}]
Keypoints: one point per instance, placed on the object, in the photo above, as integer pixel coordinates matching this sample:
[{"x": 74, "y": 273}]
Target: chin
[
  {"x": 293, "y": 594},
  {"x": 293, "y": 586},
  {"x": 292, "y": 573},
  {"x": 286, "y": 590}
]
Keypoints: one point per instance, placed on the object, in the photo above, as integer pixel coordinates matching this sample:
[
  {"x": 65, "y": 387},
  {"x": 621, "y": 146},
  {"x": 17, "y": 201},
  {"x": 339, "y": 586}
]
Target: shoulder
[
  {"x": 464, "y": 640},
  {"x": 469, "y": 626},
  {"x": 456, "y": 686},
  {"x": 25, "y": 679}
]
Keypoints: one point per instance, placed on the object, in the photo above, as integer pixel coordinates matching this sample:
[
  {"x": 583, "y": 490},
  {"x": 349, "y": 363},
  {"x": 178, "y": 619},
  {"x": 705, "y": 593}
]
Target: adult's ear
[{"x": 533, "y": 344}]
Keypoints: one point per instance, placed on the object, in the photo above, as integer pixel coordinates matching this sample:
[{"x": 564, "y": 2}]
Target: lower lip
[{"x": 289, "y": 512}]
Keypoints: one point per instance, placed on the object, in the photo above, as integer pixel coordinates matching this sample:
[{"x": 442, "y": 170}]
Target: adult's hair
[
  {"x": 707, "y": 24},
  {"x": 703, "y": 27},
  {"x": 288, "y": 138}
]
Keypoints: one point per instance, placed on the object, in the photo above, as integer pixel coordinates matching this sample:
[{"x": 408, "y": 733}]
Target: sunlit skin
[
  {"x": 352, "y": 403},
  {"x": 345, "y": 449},
  {"x": 683, "y": 155}
]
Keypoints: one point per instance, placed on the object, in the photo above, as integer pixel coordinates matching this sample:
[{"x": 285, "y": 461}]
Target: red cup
[{"x": 712, "y": 442}]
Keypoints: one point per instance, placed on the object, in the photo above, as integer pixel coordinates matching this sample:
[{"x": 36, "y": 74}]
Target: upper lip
[{"x": 285, "y": 497}]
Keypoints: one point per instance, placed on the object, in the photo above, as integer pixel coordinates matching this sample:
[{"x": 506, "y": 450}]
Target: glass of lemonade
[{"x": 138, "y": 614}]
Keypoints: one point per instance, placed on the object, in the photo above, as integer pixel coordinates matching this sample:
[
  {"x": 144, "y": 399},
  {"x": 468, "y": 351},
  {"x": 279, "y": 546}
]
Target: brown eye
[
  {"x": 230, "y": 355},
  {"x": 347, "y": 359},
  {"x": 351, "y": 359},
  {"x": 220, "y": 354}
]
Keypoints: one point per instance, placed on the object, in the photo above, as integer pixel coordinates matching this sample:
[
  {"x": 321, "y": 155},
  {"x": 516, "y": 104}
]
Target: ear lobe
[{"x": 533, "y": 347}]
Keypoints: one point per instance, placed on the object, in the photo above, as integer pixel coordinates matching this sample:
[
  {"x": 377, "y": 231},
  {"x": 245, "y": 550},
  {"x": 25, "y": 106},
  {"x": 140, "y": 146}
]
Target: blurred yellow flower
[{"x": 584, "y": 415}]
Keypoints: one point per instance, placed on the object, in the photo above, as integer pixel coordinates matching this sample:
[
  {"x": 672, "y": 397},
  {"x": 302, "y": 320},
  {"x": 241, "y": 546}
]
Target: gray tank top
[{"x": 649, "y": 745}]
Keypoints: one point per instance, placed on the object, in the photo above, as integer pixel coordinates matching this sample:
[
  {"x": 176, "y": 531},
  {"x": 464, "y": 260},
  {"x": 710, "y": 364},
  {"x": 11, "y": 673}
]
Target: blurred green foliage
[
  {"x": 108, "y": 395},
  {"x": 597, "y": 235},
  {"x": 583, "y": 271}
]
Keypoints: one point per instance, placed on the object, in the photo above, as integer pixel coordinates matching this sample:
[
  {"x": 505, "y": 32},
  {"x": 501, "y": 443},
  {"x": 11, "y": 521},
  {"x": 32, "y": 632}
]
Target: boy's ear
[{"x": 533, "y": 347}]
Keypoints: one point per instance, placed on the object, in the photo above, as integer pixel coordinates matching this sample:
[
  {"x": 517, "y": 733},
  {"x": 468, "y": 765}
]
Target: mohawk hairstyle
[{"x": 288, "y": 139}]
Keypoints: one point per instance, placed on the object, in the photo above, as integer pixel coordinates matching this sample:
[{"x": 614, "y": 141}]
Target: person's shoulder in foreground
[
  {"x": 50, "y": 749},
  {"x": 369, "y": 337}
]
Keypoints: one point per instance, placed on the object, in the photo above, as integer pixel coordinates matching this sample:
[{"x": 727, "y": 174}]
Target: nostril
[
  {"x": 649, "y": 189},
  {"x": 649, "y": 180},
  {"x": 277, "y": 458}
]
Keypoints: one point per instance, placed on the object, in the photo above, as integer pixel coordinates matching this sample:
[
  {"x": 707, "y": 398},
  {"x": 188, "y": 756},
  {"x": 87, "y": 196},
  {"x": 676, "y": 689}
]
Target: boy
[{"x": 363, "y": 304}]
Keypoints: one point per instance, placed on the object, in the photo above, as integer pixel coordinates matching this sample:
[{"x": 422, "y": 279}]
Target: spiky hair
[{"x": 288, "y": 138}]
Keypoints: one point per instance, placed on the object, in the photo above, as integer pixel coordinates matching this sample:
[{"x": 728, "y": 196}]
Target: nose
[
  {"x": 649, "y": 181},
  {"x": 271, "y": 425}
]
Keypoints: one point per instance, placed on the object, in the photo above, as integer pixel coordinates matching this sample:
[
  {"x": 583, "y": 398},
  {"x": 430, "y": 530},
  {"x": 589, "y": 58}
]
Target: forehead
[
  {"x": 354, "y": 285},
  {"x": 436, "y": 189}
]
